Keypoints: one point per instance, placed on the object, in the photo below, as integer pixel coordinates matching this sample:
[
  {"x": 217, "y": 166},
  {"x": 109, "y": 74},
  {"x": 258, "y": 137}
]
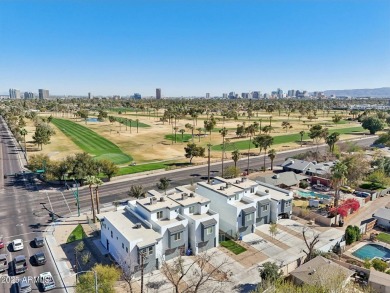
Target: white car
[
  {"x": 47, "y": 281},
  {"x": 17, "y": 245}
]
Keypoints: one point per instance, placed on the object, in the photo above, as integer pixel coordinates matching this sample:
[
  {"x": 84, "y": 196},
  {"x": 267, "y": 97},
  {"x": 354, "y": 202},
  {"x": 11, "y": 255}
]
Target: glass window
[
  {"x": 177, "y": 236},
  {"x": 192, "y": 209},
  {"x": 252, "y": 189},
  {"x": 112, "y": 235},
  {"x": 150, "y": 250},
  {"x": 236, "y": 197},
  {"x": 127, "y": 249},
  {"x": 249, "y": 217},
  {"x": 209, "y": 230},
  {"x": 123, "y": 246},
  {"x": 264, "y": 208},
  {"x": 159, "y": 215}
]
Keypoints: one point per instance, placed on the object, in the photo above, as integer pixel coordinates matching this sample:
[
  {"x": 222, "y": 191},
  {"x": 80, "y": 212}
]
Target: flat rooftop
[
  {"x": 190, "y": 198},
  {"x": 274, "y": 192},
  {"x": 161, "y": 202},
  {"x": 125, "y": 222},
  {"x": 243, "y": 183},
  {"x": 228, "y": 192}
]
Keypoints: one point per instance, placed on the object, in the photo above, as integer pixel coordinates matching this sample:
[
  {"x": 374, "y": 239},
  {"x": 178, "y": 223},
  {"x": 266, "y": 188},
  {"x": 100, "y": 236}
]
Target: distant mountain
[{"x": 378, "y": 92}]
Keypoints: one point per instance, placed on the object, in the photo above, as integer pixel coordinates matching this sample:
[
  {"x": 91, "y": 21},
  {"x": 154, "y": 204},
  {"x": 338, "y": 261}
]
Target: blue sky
[{"x": 190, "y": 47}]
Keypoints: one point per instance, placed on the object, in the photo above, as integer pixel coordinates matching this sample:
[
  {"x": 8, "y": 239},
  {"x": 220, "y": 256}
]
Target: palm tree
[
  {"x": 267, "y": 142},
  {"x": 175, "y": 129},
  {"x": 223, "y": 131},
  {"x": 163, "y": 184},
  {"x": 209, "y": 126},
  {"x": 286, "y": 125},
  {"x": 199, "y": 132},
  {"x": 331, "y": 140},
  {"x": 235, "y": 157},
  {"x": 338, "y": 175},
  {"x": 24, "y": 132},
  {"x": 182, "y": 134},
  {"x": 90, "y": 180},
  {"x": 190, "y": 127},
  {"x": 302, "y": 133},
  {"x": 98, "y": 182},
  {"x": 271, "y": 156},
  {"x": 137, "y": 120},
  {"x": 131, "y": 121},
  {"x": 251, "y": 130}
]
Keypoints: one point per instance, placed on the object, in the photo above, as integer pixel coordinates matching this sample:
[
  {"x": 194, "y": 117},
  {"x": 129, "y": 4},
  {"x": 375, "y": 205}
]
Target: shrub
[
  {"x": 352, "y": 234},
  {"x": 379, "y": 265},
  {"x": 303, "y": 184}
]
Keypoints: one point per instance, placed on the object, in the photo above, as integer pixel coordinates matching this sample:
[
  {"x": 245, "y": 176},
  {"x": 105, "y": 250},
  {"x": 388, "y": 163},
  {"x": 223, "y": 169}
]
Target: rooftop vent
[
  {"x": 292, "y": 161},
  {"x": 238, "y": 181},
  {"x": 276, "y": 176},
  {"x": 151, "y": 200},
  {"x": 312, "y": 272},
  {"x": 138, "y": 226},
  {"x": 184, "y": 196},
  {"x": 162, "y": 198},
  {"x": 227, "y": 185},
  {"x": 314, "y": 162},
  {"x": 266, "y": 191},
  {"x": 192, "y": 194},
  {"x": 222, "y": 188}
]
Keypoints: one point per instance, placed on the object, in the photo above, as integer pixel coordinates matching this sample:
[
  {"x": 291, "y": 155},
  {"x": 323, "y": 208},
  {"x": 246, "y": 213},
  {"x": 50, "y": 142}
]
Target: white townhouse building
[
  {"x": 203, "y": 223},
  {"x": 164, "y": 216},
  {"x": 243, "y": 204}
]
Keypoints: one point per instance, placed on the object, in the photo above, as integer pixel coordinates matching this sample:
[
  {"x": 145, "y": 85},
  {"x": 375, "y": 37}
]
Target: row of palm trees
[{"x": 93, "y": 181}]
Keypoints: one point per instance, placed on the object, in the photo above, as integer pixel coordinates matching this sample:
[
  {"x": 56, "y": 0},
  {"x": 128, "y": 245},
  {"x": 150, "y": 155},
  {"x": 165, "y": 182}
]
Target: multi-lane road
[
  {"x": 19, "y": 209},
  {"x": 20, "y": 200}
]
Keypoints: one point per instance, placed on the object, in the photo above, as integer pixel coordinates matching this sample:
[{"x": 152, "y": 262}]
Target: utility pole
[
  {"x": 208, "y": 164},
  {"x": 142, "y": 255}
]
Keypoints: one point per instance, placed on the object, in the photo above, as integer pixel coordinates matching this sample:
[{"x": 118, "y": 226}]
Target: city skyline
[{"x": 121, "y": 48}]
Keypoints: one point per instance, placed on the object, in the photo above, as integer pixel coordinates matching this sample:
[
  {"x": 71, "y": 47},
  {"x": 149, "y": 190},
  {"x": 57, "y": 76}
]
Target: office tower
[
  {"x": 232, "y": 95},
  {"x": 207, "y": 95},
  {"x": 256, "y": 95},
  {"x": 279, "y": 94},
  {"x": 245, "y": 95},
  {"x": 43, "y": 94},
  {"x": 28, "y": 95},
  {"x": 224, "y": 96},
  {"x": 158, "y": 94},
  {"x": 137, "y": 96},
  {"x": 14, "y": 94},
  {"x": 90, "y": 96}
]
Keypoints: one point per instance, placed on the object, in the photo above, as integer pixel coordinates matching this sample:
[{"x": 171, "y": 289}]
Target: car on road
[
  {"x": 46, "y": 281},
  {"x": 39, "y": 242},
  {"x": 347, "y": 189},
  {"x": 3, "y": 263},
  {"x": 17, "y": 245},
  {"x": 39, "y": 258},
  {"x": 20, "y": 264},
  {"x": 24, "y": 286}
]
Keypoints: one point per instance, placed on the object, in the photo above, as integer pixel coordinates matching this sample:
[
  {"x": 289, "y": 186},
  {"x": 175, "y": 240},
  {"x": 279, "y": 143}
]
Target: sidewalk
[{"x": 63, "y": 254}]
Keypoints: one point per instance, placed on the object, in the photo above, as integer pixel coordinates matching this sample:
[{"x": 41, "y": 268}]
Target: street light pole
[{"x": 208, "y": 163}]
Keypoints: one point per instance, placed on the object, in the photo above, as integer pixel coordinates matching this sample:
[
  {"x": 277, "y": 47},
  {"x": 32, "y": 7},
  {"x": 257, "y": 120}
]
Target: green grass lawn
[
  {"x": 133, "y": 122},
  {"x": 287, "y": 138},
  {"x": 233, "y": 246},
  {"x": 91, "y": 142},
  {"x": 77, "y": 234},
  {"x": 384, "y": 237},
  {"x": 186, "y": 137},
  {"x": 142, "y": 168},
  {"x": 372, "y": 185},
  {"x": 123, "y": 110}
]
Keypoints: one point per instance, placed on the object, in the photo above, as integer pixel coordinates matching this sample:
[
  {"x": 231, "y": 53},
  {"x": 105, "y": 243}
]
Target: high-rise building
[
  {"x": 245, "y": 95},
  {"x": 43, "y": 94},
  {"x": 256, "y": 95},
  {"x": 158, "y": 94},
  {"x": 28, "y": 95},
  {"x": 279, "y": 94},
  {"x": 14, "y": 94},
  {"x": 291, "y": 93},
  {"x": 224, "y": 95},
  {"x": 137, "y": 96},
  {"x": 232, "y": 95},
  {"x": 90, "y": 96},
  {"x": 207, "y": 95}
]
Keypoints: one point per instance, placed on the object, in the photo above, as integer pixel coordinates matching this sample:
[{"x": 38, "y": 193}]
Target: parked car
[
  {"x": 20, "y": 264},
  {"x": 321, "y": 187},
  {"x": 39, "y": 258},
  {"x": 39, "y": 242},
  {"x": 24, "y": 286},
  {"x": 3, "y": 262},
  {"x": 17, "y": 245},
  {"x": 1, "y": 242},
  {"x": 46, "y": 281},
  {"x": 347, "y": 189},
  {"x": 362, "y": 194}
]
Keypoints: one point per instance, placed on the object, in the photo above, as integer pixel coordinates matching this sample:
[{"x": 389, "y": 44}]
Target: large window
[
  {"x": 209, "y": 230},
  {"x": 236, "y": 197},
  {"x": 159, "y": 215},
  {"x": 264, "y": 208},
  {"x": 177, "y": 236},
  {"x": 252, "y": 189},
  {"x": 112, "y": 235},
  {"x": 248, "y": 217},
  {"x": 192, "y": 209}
]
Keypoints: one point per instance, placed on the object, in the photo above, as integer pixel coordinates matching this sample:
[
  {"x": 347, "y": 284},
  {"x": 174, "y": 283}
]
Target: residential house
[
  {"x": 308, "y": 168},
  {"x": 379, "y": 282},
  {"x": 280, "y": 199},
  {"x": 283, "y": 180},
  {"x": 203, "y": 223},
  {"x": 317, "y": 272},
  {"x": 382, "y": 216},
  {"x": 164, "y": 216},
  {"x": 130, "y": 240}
]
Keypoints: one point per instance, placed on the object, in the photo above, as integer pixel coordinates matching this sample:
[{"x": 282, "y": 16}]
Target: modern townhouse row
[{"x": 188, "y": 220}]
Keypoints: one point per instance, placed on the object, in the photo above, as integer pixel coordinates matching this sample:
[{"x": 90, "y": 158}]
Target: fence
[{"x": 318, "y": 219}]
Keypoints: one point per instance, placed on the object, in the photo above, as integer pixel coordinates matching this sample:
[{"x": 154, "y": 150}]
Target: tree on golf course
[
  {"x": 373, "y": 124},
  {"x": 302, "y": 133},
  {"x": 190, "y": 127},
  {"x": 192, "y": 150},
  {"x": 331, "y": 140}
]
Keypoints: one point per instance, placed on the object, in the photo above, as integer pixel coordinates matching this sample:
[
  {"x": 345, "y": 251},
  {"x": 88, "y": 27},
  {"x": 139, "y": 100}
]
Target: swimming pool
[
  {"x": 313, "y": 194},
  {"x": 372, "y": 250}
]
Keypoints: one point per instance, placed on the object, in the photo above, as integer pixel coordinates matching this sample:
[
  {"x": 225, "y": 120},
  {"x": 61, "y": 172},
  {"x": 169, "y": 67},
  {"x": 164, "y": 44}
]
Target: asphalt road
[
  {"x": 18, "y": 208},
  {"x": 62, "y": 201}
]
